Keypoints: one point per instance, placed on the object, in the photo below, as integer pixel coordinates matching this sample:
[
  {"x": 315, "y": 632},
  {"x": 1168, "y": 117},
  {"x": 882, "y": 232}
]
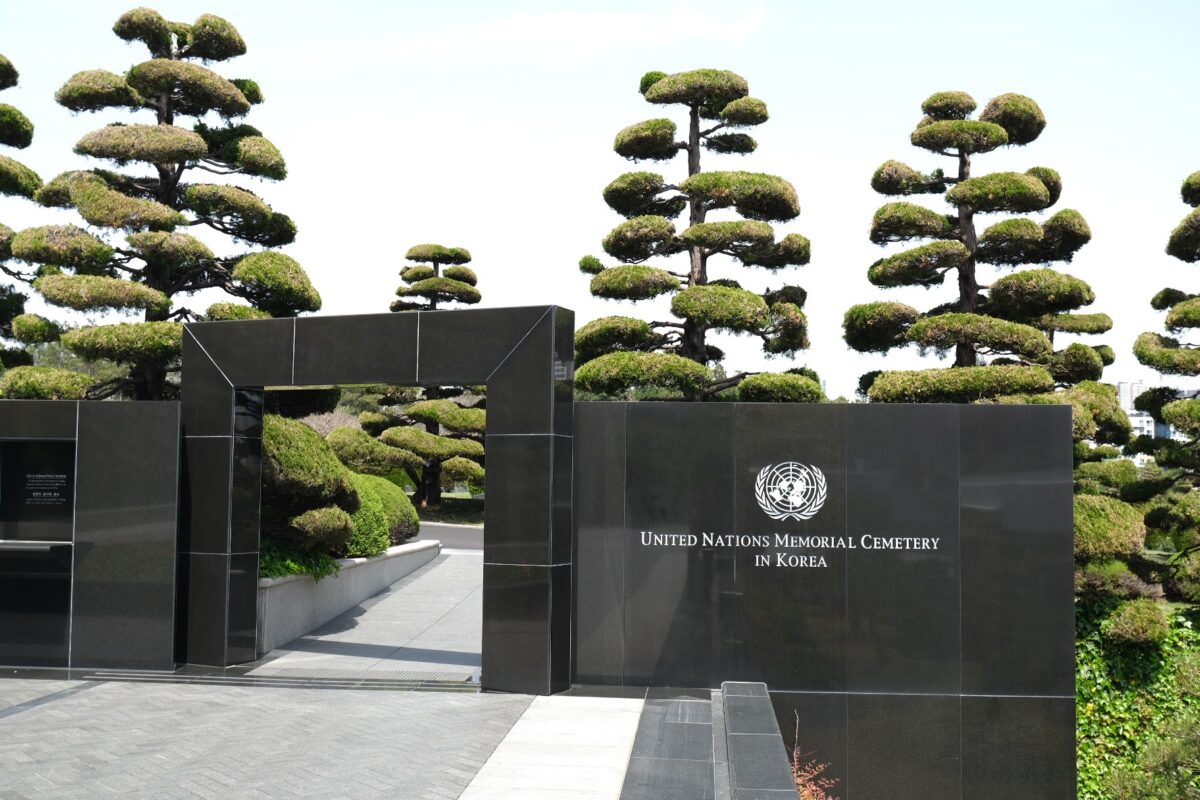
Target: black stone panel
[
  {"x": 519, "y": 526},
  {"x": 902, "y": 605},
  {"x": 1018, "y": 616},
  {"x": 677, "y": 629},
  {"x": 468, "y": 346},
  {"x": 758, "y": 764},
  {"x": 207, "y": 601},
  {"x": 205, "y": 501},
  {"x": 246, "y": 494},
  {"x": 243, "y": 607},
  {"x": 560, "y": 628},
  {"x": 665, "y": 732},
  {"x": 35, "y": 602},
  {"x": 256, "y": 352},
  {"x": 1018, "y": 747},
  {"x": 125, "y": 536},
  {"x": 209, "y": 400},
  {"x": 369, "y": 348},
  {"x": 519, "y": 654},
  {"x": 904, "y": 747},
  {"x": 816, "y": 721},
  {"x": 599, "y": 563},
  {"x": 248, "y": 412},
  {"x": 804, "y": 646},
  {"x": 37, "y": 490},
  {"x": 37, "y": 419},
  {"x": 562, "y": 478},
  {"x": 564, "y": 371},
  {"x": 669, "y": 779},
  {"x": 521, "y": 390}
]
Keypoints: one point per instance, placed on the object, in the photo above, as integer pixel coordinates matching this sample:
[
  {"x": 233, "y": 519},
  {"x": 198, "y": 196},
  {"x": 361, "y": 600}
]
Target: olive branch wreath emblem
[{"x": 811, "y": 505}]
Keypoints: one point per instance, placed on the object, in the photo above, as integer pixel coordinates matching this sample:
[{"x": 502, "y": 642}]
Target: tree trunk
[
  {"x": 429, "y": 492},
  {"x": 968, "y": 288},
  {"x": 691, "y": 343}
]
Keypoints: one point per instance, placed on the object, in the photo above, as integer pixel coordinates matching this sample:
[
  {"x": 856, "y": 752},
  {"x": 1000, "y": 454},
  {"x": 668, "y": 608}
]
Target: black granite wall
[{"x": 921, "y": 669}]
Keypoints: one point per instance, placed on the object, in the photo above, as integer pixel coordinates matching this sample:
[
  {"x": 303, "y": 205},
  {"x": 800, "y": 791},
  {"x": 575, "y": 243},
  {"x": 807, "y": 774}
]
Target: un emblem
[{"x": 790, "y": 490}]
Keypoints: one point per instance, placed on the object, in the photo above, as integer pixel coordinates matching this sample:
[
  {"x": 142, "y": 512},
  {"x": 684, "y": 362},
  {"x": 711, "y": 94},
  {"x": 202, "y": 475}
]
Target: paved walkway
[
  {"x": 426, "y": 626},
  {"x": 73, "y": 739}
]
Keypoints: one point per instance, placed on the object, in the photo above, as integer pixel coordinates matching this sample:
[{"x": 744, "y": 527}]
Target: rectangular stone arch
[{"x": 525, "y": 356}]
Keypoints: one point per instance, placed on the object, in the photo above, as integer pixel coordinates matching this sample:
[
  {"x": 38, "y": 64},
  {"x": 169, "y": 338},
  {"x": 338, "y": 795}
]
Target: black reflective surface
[
  {"x": 37, "y": 490},
  {"x": 904, "y": 746},
  {"x": 35, "y": 600},
  {"x": 1018, "y": 747},
  {"x": 371, "y": 348},
  {"x": 522, "y": 646},
  {"x": 36, "y": 419},
  {"x": 125, "y": 536},
  {"x": 468, "y": 346},
  {"x": 255, "y": 352}
]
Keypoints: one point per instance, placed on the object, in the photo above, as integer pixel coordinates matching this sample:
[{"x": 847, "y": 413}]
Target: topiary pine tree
[
  {"x": 440, "y": 277},
  {"x": 1015, "y": 318},
  {"x": 16, "y": 180},
  {"x": 136, "y": 259},
  {"x": 1174, "y": 516},
  {"x": 617, "y": 354}
]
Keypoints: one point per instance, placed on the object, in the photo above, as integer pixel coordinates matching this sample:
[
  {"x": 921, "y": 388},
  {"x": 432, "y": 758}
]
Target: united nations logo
[{"x": 790, "y": 490}]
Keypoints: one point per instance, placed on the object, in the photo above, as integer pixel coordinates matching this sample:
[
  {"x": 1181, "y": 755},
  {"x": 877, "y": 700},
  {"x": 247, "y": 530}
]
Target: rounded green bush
[
  {"x": 1163, "y": 354},
  {"x": 740, "y": 143},
  {"x": 448, "y": 414},
  {"x": 438, "y": 254},
  {"x": 96, "y": 89},
  {"x": 1050, "y": 179},
  {"x": 699, "y": 87},
  {"x": 15, "y": 128},
  {"x": 639, "y": 238},
  {"x": 108, "y": 208},
  {"x": 254, "y": 155},
  {"x": 897, "y": 178},
  {"x": 371, "y": 529},
  {"x": 18, "y": 180},
  {"x": 959, "y": 135},
  {"x": 328, "y": 528},
  {"x": 958, "y": 384},
  {"x": 788, "y": 330},
  {"x": 649, "y": 79},
  {"x": 276, "y": 283},
  {"x": 100, "y": 293},
  {"x": 1106, "y": 527},
  {"x": 34, "y": 329},
  {"x": 948, "y": 105},
  {"x": 1074, "y": 323},
  {"x": 1010, "y": 242},
  {"x": 720, "y": 307},
  {"x": 785, "y": 294},
  {"x": 198, "y": 88},
  {"x": 878, "y": 327},
  {"x": 430, "y": 445},
  {"x": 1184, "y": 243},
  {"x": 170, "y": 251},
  {"x": 633, "y": 282},
  {"x": 1184, "y": 415},
  {"x": 745, "y": 111},
  {"x": 1190, "y": 191},
  {"x": 755, "y": 195},
  {"x": 921, "y": 266},
  {"x": 652, "y": 139},
  {"x": 1000, "y": 191},
  {"x": 155, "y": 144},
  {"x": 769, "y": 387},
  {"x": 616, "y": 373},
  {"x": 442, "y": 289},
  {"x": 609, "y": 334},
  {"x": 62, "y": 245},
  {"x": 590, "y": 265},
  {"x": 401, "y": 517},
  {"x": 418, "y": 273},
  {"x": 462, "y": 470},
  {"x": 1185, "y": 578},
  {"x": 791, "y": 250},
  {"x": 945, "y": 331},
  {"x": 214, "y": 39},
  {"x": 1138, "y": 622},
  {"x": 1184, "y": 314},
  {"x": 1018, "y": 115},
  {"x": 1030, "y": 294},
  {"x": 720, "y": 236},
  {"x": 461, "y": 274},
  {"x": 1169, "y": 297},
  {"x": 300, "y": 470},
  {"x": 8, "y": 74},
  {"x": 219, "y": 311},
  {"x": 1063, "y": 235},
  {"x": 250, "y": 89},
  {"x": 147, "y": 26},
  {"x": 137, "y": 343},
  {"x": 898, "y": 222},
  {"x": 1077, "y": 362},
  {"x": 1113, "y": 473},
  {"x": 43, "y": 383}
]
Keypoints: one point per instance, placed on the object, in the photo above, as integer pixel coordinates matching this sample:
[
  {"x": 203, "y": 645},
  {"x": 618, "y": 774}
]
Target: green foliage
[
  {"x": 108, "y": 208},
  {"x": 1168, "y": 767},
  {"x": 463, "y": 470},
  {"x": 1122, "y": 693},
  {"x": 34, "y": 329},
  {"x": 754, "y": 195},
  {"x": 300, "y": 471},
  {"x": 97, "y": 89},
  {"x": 731, "y": 143},
  {"x": 145, "y": 343},
  {"x": 788, "y": 329},
  {"x": 959, "y": 385},
  {"x": 1138, "y": 622},
  {"x": 721, "y": 236},
  {"x": 1184, "y": 243},
  {"x": 361, "y": 452},
  {"x": 1010, "y": 241},
  {"x": 448, "y": 414},
  {"x": 1184, "y": 314},
  {"x": 649, "y": 79},
  {"x": 768, "y": 387},
  {"x": 43, "y": 383},
  {"x": 897, "y": 178},
  {"x": 441, "y": 289},
  {"x": 653, "y": 139},
  {"x": 62, "y": 245},
  {"x": 1050, "y": 179},
  {"x": 147, "y": 26},
  {"x": 959, "y": 135},
  {"x": 1033, "y": 293},
  {"x": 921, "y": 266},
  {"x": 430, "y": 445},
  {"x": 214, "y": 39},
  {"x": 701, "y": 87},
  {"x": 254, "y": 155},
  {"x": 280, "y": 558},
  {"x": 298, "y": 402},
  {"x": 1163, "y": 354},
  {"x": 8, "y": 74},
  {"x": 878, "y": 327},
  {"x": 1106, "y": 527},
  {"x": 418, "y": 273},
  {"x": 1019, "y": 116},
  {"x": 462, "y": 275},
  {"x": 155, "y": 144},
  {"x": 791, "y": 250},
  {"x": 219, "y": 311},
  {"x": 370, "y": 522},
  {"x": 898, "y": 222},
  {"x": 609, "y": 334},
  {"x": 1190, "y": 191},
  {"x": 1185, "y": 577},
  {"x": 98, "y": 293},
  {"x": 275, "y": 283},
  {"x": 633, "y": 282},
  {"x": 1076, "y": 323},
  {"x": 250, "y": 88},
  {"x": 1064, "y": 234},
  {"x": 438, "y": 254},
  {"x": 239, "y": 213},
  {"x": 720, "y": 307},
  {"x": 195, "y": 89},
  {"x": 616, "y": 373},
  {"x": 401, "y": 517},
  {"x": 640, "y": 238},
  {"x": 327, "y": 528},
  {"x": 948, "y": 105},
  {"x": 590, "y": 265},
  {"x": 170, "y": 252},
  {"x": 15, "y": 128},
  {"x": 745, "y": 111},
  {"x": 16, "y": 179},
  {"x": 1184, "y": 415},
  {"x": 1000, "y": 191},
  {"x": 1112, "y": 474},
  {"x": 1076, "y": 362},
  {"x": 948, "y": 330}
]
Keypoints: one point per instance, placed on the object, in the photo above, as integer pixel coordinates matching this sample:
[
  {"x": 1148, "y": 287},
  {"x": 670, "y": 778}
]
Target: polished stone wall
[
  {"x": 87, "y": 567},
  {"x": 918, "y": 669}
]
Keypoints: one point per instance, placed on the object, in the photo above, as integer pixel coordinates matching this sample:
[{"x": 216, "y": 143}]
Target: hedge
[{"x": 1106, "y": 527}]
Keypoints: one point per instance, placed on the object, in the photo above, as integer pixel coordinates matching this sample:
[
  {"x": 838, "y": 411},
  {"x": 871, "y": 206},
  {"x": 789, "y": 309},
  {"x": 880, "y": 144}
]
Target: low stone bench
[{"x": 757, "y": 759}]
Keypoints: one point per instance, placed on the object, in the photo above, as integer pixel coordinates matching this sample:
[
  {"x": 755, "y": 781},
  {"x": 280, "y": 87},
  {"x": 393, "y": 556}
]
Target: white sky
[{"x": 490, "y": 126}]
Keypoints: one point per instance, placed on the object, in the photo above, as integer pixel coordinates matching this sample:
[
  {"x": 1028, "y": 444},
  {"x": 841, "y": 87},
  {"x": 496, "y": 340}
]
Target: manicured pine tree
[
  {"x": 136, "y": 258},
  {"x": 618, "y": 354},
  {"x": 1174, "y": 515},
  {"x": 434, "y": 434},
  {"x": 16, "y": 180},
  {"x": 1013, "y": 319}
]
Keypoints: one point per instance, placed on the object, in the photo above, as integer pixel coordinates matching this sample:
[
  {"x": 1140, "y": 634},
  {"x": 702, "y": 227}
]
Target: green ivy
[{"x": 278, "y": 559}]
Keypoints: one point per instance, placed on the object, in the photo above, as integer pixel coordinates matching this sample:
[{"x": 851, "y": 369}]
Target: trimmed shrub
[
  {"x": 959, "y": 135},
  {"x": 276, "y": 283},
  {"x": 1137, "y": 622},
  {"x": 898, "y": 222},
  {"x": 639, "y": 238},
  {"x": 448, "y": 413},
  {"x": 878, "y": 327},
  {"x": 958, "y": 385},
  {"x": 948, "y": 330},
  {"x": 43, "y": 383},
  {"x": 156, "y": 144},
  {"x": 1001, "y": 191},
  {"x": 300, "y": 471},
  {"x": 768, "y": 387},
  {"x": 401, "y": 517},
  {"x": 948, "y": 105},
  {"x": 1020, "y": 117},
  {"x": 327, "y": 528},
  {"x": 921, "y": 266},
  {"x": 897, "y": 178},
  {"x": 704, "y": 87},
  {"x": 96, "y": 89},
  {"x": 371, "y": 525},
  {"x": 1184, "y": 580},
  {"x": 365, "y": 454},
  {"x": 615, "y": 373},
  {"x": 1106, "y": 527},
  {"x": 755, "y": 195},
  {"x": 633, "y": 282},
  {"x": 609, "y": 334},
  {"x": 146, "y": 343},
  {"x": 652, "y": 139},
  {"x": 720, "y": 307},
  {"x": 17, "y": 179}
]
